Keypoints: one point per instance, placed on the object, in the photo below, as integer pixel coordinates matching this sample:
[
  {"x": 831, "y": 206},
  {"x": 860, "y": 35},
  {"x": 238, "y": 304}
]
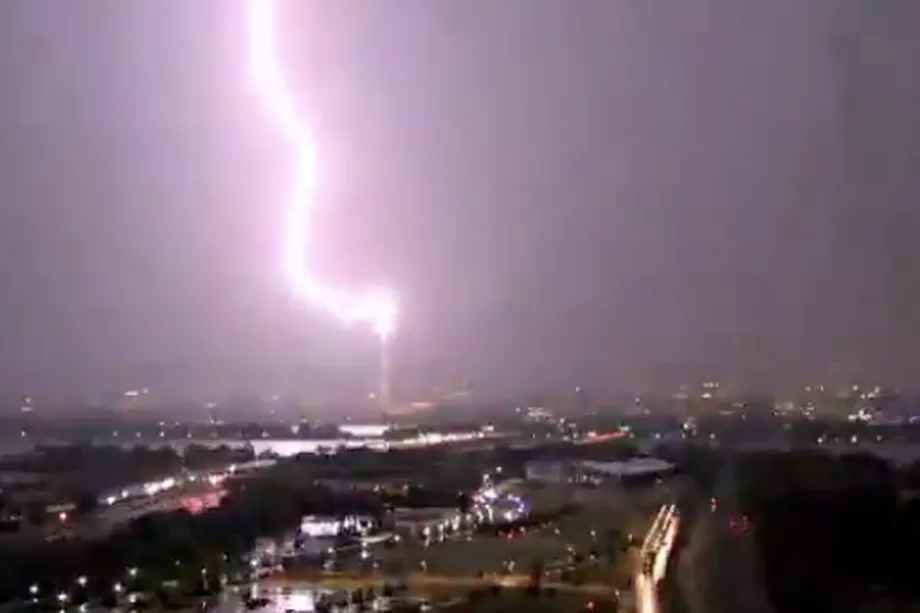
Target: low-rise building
[
  {"x": 325, "y": 526},
  {"x": 548, "y": 471},
  {"x": 427, "y": 522},
  {"x": 631, "y": 468},
  {"x": 390, "y": 487}
]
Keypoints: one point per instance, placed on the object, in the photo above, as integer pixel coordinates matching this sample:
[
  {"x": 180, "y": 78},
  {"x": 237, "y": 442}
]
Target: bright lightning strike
[{"x": 376, "y": 307}]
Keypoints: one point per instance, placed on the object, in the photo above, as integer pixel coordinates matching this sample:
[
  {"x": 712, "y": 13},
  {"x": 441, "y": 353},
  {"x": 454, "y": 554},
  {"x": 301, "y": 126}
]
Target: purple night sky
[{"x": 611, "y": 193}]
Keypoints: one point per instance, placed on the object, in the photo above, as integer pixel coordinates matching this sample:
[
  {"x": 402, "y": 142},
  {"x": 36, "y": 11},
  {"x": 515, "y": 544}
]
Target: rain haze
[{"x": 615, "y": 194}]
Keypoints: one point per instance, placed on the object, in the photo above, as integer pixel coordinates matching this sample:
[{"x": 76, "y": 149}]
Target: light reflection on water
[
  {"x": 897, "y": 452},
  {"x": 279, "y": 447},
  {"x": 15, "y": 445}
]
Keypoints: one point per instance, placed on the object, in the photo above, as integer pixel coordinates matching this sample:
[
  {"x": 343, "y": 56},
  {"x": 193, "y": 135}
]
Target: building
[
  {"x": 630, "y": 469},
  {"x": 557, "y": 471},
  {"x": 428, "y": 522},
  {"x": 547, "y": 471},
  {"x": 327, "y": 526},
  {"x": 389, "y": 487}
]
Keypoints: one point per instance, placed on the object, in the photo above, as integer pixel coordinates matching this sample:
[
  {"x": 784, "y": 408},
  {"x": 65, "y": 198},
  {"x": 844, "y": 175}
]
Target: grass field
[
  {"x": 464, "y": 569},
  {"x": 587, "y": 527}
]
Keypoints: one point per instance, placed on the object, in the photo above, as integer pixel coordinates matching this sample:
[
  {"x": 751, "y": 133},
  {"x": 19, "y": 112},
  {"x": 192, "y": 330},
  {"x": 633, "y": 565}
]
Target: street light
[
  {"x": 33, "y": 589},
  {"x": 132, "y": 572},
  {"x": 81, "y": 580},
  {"x": 117, "y": 587},
  {"x": 62, "y": 597}
]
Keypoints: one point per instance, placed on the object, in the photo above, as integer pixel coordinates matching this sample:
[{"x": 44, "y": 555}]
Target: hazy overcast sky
[{"x": 609, "y": 193}]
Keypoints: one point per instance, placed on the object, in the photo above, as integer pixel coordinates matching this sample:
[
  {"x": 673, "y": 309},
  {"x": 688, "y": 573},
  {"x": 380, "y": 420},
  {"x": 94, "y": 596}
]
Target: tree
[
  {"x": 579, "y": 575},
  {"x": 615, "y": 544},
  {"x": 537, "y": 567},
  {"x": 357, "y": 598}
]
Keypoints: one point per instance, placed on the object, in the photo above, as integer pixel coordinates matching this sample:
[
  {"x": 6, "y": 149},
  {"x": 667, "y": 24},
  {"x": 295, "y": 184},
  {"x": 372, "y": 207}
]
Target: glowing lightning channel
[{"x": 376, "y": 307}]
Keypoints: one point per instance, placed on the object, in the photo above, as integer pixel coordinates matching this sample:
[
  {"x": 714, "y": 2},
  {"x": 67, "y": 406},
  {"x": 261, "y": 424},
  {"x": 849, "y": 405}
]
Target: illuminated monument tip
[{"x": 378, "y": 307}]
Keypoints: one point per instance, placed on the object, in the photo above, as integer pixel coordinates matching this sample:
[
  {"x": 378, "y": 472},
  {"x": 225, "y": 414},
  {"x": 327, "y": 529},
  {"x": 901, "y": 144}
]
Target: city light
[{"x": 376, "y": 307}]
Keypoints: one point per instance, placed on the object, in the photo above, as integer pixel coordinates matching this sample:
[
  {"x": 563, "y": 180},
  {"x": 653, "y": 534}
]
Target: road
[
  {"x": 416, "y": 581},
  {"x": 654, "y": 557}
]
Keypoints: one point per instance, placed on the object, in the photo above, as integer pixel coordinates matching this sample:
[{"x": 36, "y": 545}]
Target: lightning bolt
[{"x": 376, "y": 307}]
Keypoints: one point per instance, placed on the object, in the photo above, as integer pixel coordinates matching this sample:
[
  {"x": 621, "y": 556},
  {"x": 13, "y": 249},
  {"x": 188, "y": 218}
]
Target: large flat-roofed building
[
  {"x": 325, "y": 526},
  {"x": 548, "y": 471},
  {"x": 577, "y": 471},
  {"x": 634, "y": 467},
  {"x": 426, "y": 522}
]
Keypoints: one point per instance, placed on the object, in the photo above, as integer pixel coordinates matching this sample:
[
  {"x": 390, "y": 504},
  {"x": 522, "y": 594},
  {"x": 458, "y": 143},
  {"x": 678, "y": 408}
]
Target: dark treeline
[
  {"x": 98, "y": 467},
  {"x": 833, "y": 533},
  {"x": 176, "y": 546}
]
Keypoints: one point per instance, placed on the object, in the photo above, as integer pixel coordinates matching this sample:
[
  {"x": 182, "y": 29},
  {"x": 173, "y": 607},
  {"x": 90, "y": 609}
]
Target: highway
[
  {"x": 418, "y": 581},
  {"x": 654, "y": 557}
]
